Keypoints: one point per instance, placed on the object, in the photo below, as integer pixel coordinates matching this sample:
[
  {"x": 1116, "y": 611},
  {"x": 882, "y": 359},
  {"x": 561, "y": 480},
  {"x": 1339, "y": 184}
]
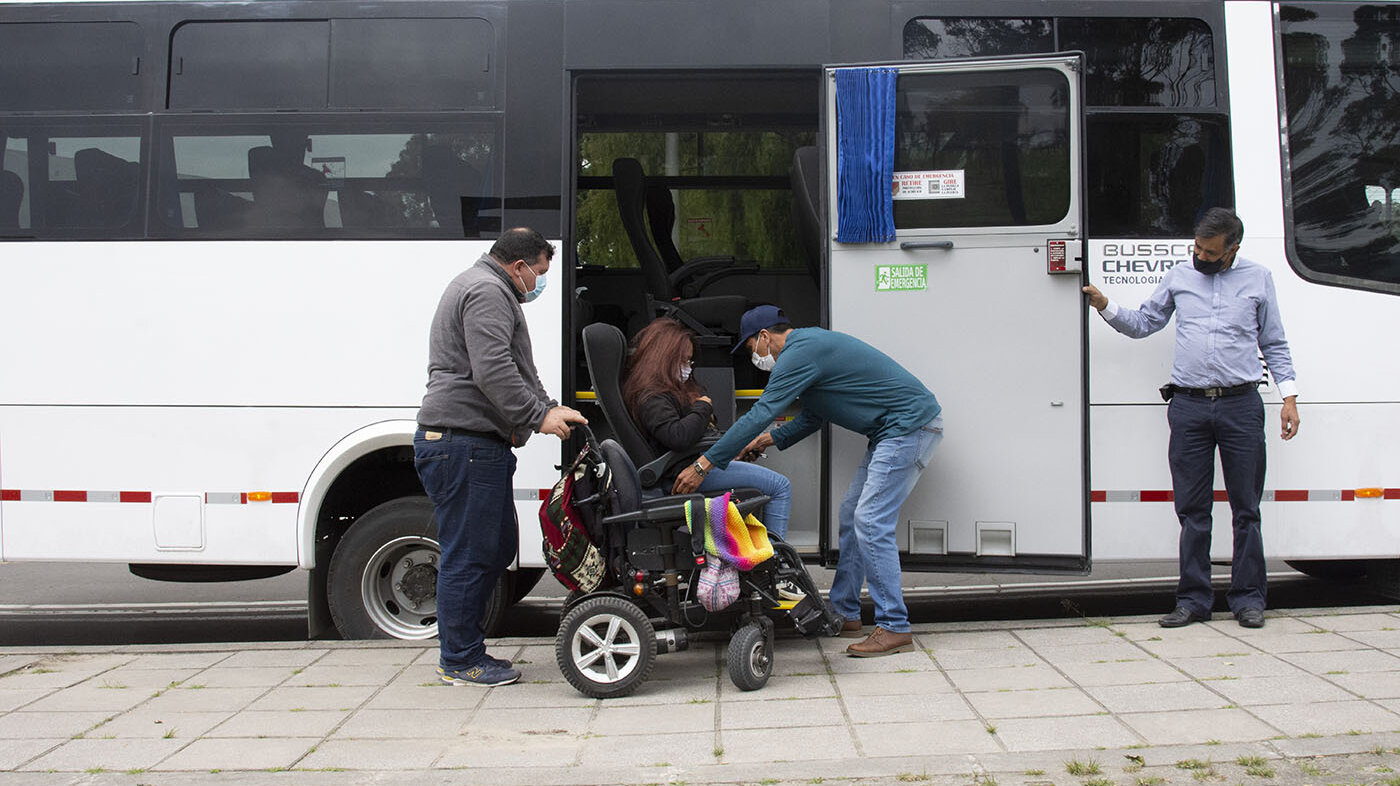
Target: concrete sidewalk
[{"x": 1005, "y": 703}]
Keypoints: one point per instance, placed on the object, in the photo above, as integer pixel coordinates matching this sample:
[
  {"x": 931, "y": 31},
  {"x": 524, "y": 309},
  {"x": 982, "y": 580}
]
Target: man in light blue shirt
[
  {"x": 1226, "y": 315},
  {"x": 845, "y": 381}
]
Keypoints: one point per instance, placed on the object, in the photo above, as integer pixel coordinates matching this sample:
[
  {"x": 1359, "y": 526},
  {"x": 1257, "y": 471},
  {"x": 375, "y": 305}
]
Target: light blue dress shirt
[{"x": 1223, "y": 322}]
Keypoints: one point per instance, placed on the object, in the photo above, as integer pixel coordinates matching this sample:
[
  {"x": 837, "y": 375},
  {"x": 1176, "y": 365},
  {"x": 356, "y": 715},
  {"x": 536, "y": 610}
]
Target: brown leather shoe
[
  {"x": 850, "y": 629},
  {"x": 882, "y": 642}
]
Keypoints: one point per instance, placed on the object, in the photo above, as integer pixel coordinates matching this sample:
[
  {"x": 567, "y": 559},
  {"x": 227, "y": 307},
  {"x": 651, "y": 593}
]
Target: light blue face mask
[{"x": 534, "y": 294}]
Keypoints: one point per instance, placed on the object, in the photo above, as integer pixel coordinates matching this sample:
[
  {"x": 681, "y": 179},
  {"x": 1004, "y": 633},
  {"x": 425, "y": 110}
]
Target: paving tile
[
  {"x": 892, "y": 684},
  {"x": 1063, "y": 637},
  {"x": 1276, "y": 625},
  {"x": 127, "y": 754},
  {"x": 289, "y": 698},
  {"x": 34, "y": 725},
  {"x": 239, "y": 754},
  {"x": 910, "y": 708},
  {"x": 559, "y": 720},
  {"x": 13, "y": 753},
  {"x": 1355, "y": 622},
  {"x": 14, "y": 699},
  {"x": 401, "y": 724},
  {"x": 86, "y": 697},
  {"x": 652, "y": 750},
  {"x": 781, "y": 714},
  {"x": 507, "y": 749},
  {"x": 1258, "y": 665},
  {"x": 1319, "y": 641},
  {"x": 1013, "y": 678},
  {"x": 437, "y": 695},
  {"x": 1321, "y": 663},
  {"x": 145, "y": 724},
  {"x": 668, "y": 692},
  {"x": 374, "y": 656},
  {"x": 987, "y": 659},
  {"x": 167, "y": 661},
  {"x": 10, "y": 663},
  {"x": 1195, "y": 727},
  {"x": 1034, "y": 703},
  {"x": 1381, "y": 639},
  {"x": 1197, "y": 647},
  {"x": 386, "y": 755},
  {"x": 279, "y": 723},
  {"x": 780, "y": 687},
  {"x": 1101, "y": 652},
  {"x": 1298, "y": 689},
  {"x": 918, "y": 739},
  {"x": 1128, "y": 672},
  {"x": 1157, "y": 697},
  {"x": 1328, "y": 717},
  {"x": 841, "y": 663},
  {"x": 1082, "y": 731},
  {"x": 325, "y": 676},
  {"x": 246, "y": 677},
  {"x": 149, "y": 680},
  {"x": 1369, "y": 685},
  {"x": 775, "y": 745},
  {"x": 293, "y": 658},
  {"x": 181, "y": 699},
  {"x": 1151, "y": 631},
  {"x": 970, "y": 640},
  {"x": 654, "y": 719}
]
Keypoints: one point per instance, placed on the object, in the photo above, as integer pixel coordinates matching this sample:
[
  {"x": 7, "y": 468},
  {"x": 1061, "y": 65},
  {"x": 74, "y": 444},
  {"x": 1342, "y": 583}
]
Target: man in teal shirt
[{"x": 845, "y": 381}]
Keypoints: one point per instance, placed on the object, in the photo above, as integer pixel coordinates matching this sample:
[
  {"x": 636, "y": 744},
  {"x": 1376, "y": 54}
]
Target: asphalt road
[{"x": 101, "y": 604}]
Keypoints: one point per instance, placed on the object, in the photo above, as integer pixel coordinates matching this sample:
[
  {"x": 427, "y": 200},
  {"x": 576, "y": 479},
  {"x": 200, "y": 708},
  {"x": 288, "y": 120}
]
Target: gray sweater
[{"x": 481, "y": 369}]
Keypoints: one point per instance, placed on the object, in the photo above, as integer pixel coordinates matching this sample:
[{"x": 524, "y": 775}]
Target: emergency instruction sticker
[
  {"x": 930, "y": 184},
  {"x": 901, "y": 278}
]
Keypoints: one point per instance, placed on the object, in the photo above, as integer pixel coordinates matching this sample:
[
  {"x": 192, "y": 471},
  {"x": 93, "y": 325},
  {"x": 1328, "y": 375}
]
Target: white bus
[{"x": 224, "y": 227}]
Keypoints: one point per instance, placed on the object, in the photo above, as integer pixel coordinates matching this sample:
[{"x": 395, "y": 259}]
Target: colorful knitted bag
[{"x": 741, "y": 541}]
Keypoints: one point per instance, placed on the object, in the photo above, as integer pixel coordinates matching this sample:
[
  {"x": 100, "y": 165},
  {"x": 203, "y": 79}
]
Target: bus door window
[
  {"x": 14, "y": 172},
  {"x": 1152, "y": 168}
]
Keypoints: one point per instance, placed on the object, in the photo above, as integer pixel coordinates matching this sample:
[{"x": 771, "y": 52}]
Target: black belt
[
  {"x": 466, "y": 432},
  {"x": 1216, "y": 392}
]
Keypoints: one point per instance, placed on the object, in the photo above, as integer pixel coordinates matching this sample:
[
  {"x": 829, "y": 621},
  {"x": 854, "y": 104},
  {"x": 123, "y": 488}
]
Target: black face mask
[{"x": 1208, "y": 268}]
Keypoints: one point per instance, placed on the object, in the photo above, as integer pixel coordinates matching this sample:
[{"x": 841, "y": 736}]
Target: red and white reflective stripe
[
  {"x": 1270, "y": 495},
  {"x": 212, "y": 497}
]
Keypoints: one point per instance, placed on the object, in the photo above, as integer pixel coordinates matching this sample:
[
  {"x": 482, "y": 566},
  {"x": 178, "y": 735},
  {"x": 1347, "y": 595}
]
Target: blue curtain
[{"x": 865, "y": 154}]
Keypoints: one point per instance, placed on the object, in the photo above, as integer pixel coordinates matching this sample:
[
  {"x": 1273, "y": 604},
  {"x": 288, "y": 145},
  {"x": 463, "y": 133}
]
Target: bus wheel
[
  {"x": 1329, "y": 569},
  {"x": 382, "y": 580}
]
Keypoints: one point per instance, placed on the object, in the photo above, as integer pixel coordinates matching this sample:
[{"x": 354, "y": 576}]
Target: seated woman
[{"x": 674, "y": 414}]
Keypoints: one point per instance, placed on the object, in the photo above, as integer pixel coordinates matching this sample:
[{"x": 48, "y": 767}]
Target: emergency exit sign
[{"x": 901, "y": 278}]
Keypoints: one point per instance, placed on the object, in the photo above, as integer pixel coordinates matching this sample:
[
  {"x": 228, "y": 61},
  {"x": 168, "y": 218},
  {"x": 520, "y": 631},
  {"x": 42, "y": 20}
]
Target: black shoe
[
  {"x": 1250, "y": 618},
  {"x": 1181, "y": 617}
]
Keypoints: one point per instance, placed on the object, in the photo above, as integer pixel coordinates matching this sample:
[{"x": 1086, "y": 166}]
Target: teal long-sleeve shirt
[{"x": 841, "y": 380}]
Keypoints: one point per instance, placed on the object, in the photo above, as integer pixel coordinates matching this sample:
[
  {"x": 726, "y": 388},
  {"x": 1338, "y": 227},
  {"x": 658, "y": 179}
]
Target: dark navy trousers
[{"x": 1200, "y": 426}]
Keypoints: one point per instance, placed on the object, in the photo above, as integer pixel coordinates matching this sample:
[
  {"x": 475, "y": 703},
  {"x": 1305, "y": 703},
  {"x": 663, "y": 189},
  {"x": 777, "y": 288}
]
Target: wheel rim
[
  {"x": 399, "y": 587},
  {"x": 758, "y": 658},
  {"x": 606, "y": 648}
]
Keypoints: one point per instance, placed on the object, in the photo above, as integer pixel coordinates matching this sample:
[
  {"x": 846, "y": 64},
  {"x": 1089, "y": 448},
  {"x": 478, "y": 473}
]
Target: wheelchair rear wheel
[{"x": 606, "y": 647}]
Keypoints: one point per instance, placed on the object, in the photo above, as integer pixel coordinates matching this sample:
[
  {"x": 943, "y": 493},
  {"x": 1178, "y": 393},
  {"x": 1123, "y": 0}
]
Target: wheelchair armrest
[
  {"x": 650, "y": 473},
  {"x": 749, "y": 505},
  {"x": 658, "y": 510}
]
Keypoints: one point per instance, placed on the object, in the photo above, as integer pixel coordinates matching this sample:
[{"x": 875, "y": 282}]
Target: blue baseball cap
[{"x": 756, "y": 319}]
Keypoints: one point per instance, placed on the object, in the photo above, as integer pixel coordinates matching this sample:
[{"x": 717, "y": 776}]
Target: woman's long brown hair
[{"x": 655, "y": 363}]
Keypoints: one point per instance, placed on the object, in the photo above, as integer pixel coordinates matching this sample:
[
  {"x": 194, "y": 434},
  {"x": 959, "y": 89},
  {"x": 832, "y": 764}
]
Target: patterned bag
[
  {"x": 718, "y": 585},
  {"x": 569, "y": 548}
]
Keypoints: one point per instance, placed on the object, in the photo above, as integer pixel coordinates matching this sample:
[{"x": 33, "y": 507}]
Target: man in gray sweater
[{"x": 484, "y": 397}]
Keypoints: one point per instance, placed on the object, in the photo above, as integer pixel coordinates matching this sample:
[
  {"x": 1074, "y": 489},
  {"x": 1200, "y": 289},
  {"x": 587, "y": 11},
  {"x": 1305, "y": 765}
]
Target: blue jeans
[
  {"x": 868, "y": 518},
  {"x": 1234, "y": 425},
  {"x": 469, "y": 480},
  {"x": 741, "y": 474}
]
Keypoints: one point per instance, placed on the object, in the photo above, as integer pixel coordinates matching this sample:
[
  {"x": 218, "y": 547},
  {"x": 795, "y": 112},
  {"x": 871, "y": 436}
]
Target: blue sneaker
[{"x": 488, "y": 674}]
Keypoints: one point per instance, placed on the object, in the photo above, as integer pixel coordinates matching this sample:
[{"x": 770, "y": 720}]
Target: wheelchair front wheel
[{"x": 750, "y": 657}]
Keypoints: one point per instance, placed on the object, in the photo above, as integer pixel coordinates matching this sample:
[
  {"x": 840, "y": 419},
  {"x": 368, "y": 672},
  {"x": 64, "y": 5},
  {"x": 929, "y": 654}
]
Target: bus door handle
[{"x": 918, "y": 245}]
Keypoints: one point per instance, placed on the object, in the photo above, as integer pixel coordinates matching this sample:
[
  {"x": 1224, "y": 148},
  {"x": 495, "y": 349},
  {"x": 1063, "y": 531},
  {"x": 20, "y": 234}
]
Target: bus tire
[
  {"x": 1329, "y": 569},
  {"x": 382, "y": 579},
  {"x": 522, "y": 581}
]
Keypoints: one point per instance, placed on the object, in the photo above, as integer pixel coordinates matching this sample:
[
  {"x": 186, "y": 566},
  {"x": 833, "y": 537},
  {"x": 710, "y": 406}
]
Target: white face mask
[
  {"x": 764, "y": 362},
  {"x": 685, "y": 372}
]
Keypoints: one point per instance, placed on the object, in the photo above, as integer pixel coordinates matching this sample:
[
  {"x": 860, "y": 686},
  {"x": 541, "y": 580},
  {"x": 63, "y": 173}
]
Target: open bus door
[{"x": 978, "y": 294}]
